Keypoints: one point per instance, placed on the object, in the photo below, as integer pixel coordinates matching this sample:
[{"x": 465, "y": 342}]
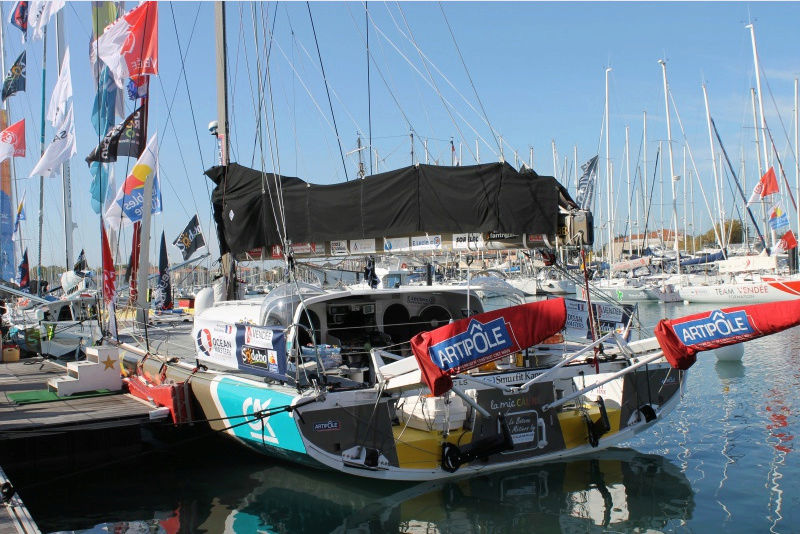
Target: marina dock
[{"x": 44, "y": 435}]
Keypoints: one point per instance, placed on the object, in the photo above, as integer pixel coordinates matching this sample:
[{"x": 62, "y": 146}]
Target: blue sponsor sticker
[
  {"x": 479, "y": 342},
  {"x": 717, "y": 326}
]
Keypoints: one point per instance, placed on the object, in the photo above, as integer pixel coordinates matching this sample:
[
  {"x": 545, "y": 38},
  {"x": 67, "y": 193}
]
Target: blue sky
[{"x": 538, "y": 68}]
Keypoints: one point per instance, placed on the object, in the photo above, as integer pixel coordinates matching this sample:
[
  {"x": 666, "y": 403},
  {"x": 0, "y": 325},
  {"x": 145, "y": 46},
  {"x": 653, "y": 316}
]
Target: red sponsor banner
[
  {"x": 483, "y": 338},
  {"x": 681, "y": 339}
]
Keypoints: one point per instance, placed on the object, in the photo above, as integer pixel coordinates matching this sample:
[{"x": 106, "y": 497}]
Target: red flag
[
  {"x": 140, "y": 49},
  {"x": 767, "y": 185},
  {"x": 787, "y": 242},
  {"x": 109, "y": 273},
  {"x": 12, "y": 141},
  {"x": 129, "y": 47},
  {"x": 770, "y": 183}
]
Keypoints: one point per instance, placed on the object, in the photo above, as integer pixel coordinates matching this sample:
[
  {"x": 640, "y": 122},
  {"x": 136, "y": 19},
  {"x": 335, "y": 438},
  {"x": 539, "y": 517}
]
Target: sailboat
[{"x": 415, "y": 383}]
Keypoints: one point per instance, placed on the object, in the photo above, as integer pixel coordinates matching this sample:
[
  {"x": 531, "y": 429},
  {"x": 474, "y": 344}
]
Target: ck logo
[{"x": 261, "y": 429}]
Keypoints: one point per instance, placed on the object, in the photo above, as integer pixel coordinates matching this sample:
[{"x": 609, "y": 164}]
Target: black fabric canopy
[{"x": 423, "y": 198}]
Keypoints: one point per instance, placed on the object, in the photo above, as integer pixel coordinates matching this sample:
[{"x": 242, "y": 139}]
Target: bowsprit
[{"x": 480, "y": 341}]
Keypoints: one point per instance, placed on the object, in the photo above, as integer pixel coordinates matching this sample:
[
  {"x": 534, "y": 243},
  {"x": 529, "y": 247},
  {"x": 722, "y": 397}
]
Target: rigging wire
[
  {"x": 469, "y": 77},
  {"x": 182, "y": 57},
  {"x": 276, "y": 210},
  {"x": 435, "y": 85},
  {"x": 274, "y": 139},
  {"x": 333, "y": 116},
  {"x": 694, "y": 166},
  {"x": 430, "y": 84},
  {"x": 392, "y": 93},
  {"x": 169, "y": 120}
]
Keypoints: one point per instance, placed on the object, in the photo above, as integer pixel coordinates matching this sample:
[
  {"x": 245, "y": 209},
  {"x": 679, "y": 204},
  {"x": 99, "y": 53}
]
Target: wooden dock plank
[{"x": 32, "y": 375}]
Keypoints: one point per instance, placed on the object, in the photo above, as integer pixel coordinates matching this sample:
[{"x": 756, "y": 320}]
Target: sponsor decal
[
  {"x": 468, "y": 241},
  {"x": 481, "y": 341},
  {"x": 362, "y": 246},
  {"x": 263, "y": 429},
  {"x": 258, "y": 337},
  {"x": 717, "y": 326},
  {"x": 610, "y": 318},
  {"x": 426, "y": 242},
  {"x": 326, "y": 426},
  {"x": 421, "y": 301},
  {"x": 204, "y": 341},
  {"x": 258, "y": 357},
  {"x": 223, "y": 347},
  {"x": 396, "y": 244},
  {"x": 222, "y": 328},
  {"x": 339, "y": 248}
]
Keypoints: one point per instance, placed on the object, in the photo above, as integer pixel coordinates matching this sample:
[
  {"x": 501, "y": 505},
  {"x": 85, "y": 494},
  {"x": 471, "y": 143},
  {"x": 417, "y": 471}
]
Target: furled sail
[{"x": 422, "y": 198}]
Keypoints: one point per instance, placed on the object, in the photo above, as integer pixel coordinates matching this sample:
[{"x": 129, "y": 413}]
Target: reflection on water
[
  {"x": 726, "y": 370},
  {"x": 620, "y": 489}
]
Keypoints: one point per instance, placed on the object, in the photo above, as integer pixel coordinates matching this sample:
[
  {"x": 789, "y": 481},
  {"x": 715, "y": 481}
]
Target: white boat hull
[{"x": 743, "y": 292}]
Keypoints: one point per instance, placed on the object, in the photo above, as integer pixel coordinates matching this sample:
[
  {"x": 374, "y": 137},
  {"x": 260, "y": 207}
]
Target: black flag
[
  {"x": 124, "y": 139},
  {"x": 164, "y": 288},
  {"x": 81, "y": 264},
  {"x": 15, "y": 79},
  {"x": 190, "y": 239},
  {"x": 586, "y": 184}
]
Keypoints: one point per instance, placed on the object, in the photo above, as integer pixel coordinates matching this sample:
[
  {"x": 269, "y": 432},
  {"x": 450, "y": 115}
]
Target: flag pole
[
  {"x": 41, "y": 176},
  {"x": 69, "y": 224}
]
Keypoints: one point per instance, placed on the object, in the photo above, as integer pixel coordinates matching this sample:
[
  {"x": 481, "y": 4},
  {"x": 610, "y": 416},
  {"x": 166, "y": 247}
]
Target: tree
[{"x": 733, "y": 229}]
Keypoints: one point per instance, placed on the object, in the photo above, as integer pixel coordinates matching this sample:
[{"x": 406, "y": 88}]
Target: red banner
[
  {"x": 682, "y": 338},
  {"x": 109, "y": 273},
  {"x": 483, "y": 338}
]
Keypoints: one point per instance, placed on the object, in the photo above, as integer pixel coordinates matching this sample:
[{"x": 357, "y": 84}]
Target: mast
[
  {"x": 69, "y": 224},
  {"x": 673, "y": 177},
  {"x": 227, "y": 260},
  {"x": 645, "y": 205},
  {"x": 714, "y": 164},
  {"x": 608, "y": 179},
  {"x": 574, "y": 160},
  {"x": 628, "y": 173},
  {"x": 760, "y": 99},
  {"x": 41, "y": 152},
  {"x": 758, "y": 150},
  {"x": 797, "y": 149}
]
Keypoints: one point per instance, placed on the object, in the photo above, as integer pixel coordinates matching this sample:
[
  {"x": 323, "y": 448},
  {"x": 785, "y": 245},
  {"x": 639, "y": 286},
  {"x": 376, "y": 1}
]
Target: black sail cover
[{"x": 492, "y": 197}]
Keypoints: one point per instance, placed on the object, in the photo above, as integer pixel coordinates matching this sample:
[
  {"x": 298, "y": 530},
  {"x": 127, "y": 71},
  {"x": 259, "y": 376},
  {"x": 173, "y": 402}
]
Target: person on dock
[{"x": 3, "y": 326}]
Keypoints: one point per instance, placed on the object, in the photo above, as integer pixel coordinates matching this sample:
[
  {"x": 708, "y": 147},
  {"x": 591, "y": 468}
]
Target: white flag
[
  {"x": 61, "y": 93},
  {"x": 60, "y": 149},
  {"x": 39, "y": 13},
  {"x": 127, "y": 206}
]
